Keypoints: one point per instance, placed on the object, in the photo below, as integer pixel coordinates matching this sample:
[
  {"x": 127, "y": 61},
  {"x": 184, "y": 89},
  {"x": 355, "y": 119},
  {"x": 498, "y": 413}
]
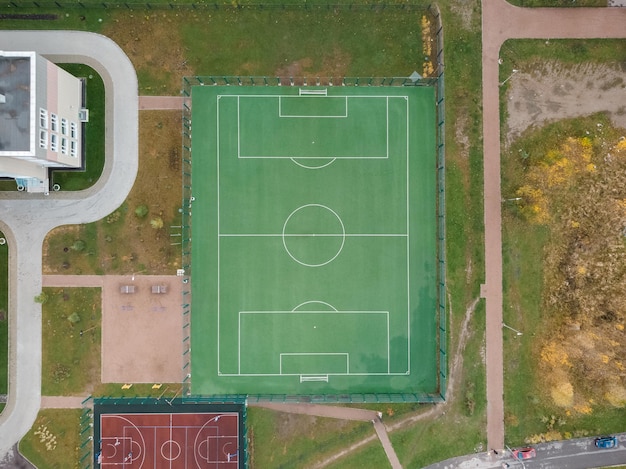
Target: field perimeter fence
[
  {"x": 437, "y": 81},
  {"x": 441, "y": 208},
  {"x": 210, "y": 6}
]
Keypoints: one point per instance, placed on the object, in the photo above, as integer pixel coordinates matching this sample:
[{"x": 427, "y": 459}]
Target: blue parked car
[{"x": 606, "y": 442}]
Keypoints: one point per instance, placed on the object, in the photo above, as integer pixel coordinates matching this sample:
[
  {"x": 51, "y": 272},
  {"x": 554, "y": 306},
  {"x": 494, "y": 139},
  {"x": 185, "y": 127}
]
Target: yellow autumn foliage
[
  {"x": 583, "y": 409},
  {"x": 562, "y": 394},
  {"x": 554, "y": 354},
  {"x": 621, "y": 145},
  {"x": 427, "y": 68},
  {"x": 616, "y": 394}
]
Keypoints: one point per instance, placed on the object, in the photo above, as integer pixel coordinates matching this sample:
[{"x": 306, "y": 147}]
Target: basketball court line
[
  {"x": 144, "y": 430},
  {"x": 407, "y": 235}
]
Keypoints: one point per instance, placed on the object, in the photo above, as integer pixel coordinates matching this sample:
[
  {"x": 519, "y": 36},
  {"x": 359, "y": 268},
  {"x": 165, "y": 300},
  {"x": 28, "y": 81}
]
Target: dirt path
[
  {"x": 359, "y": 414},
  {"x": 152, "y": 103},
  {"x": 343, "y": 413},
  {"x": 502, "y": 21},
  {"x": 62, "y": 402}
]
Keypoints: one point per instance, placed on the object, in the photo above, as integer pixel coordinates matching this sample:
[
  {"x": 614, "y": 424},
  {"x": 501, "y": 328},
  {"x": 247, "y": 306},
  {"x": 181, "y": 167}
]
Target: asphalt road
[
  {"x": 25, "y": 219},
  {"x": 569, "y": 454}
]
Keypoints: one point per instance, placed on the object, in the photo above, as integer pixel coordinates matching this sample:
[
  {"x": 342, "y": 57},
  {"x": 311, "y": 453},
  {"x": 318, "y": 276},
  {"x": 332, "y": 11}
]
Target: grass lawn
[
  {"x": 279, "y": 439},
  {"x": 125, "y": 242},
  {"x": 71, "y": 360},
  {"x": 4, "y": 318},
  {"x": 370, "y": 455},
  {"x": 94, "y": 133},
  {"x": 53, "y": 441},
  {"x": 529, "y": 408}
]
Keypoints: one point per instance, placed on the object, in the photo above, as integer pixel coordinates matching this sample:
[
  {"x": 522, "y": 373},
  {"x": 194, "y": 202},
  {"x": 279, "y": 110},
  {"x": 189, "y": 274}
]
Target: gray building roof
[{"x": 14, "y": 103}]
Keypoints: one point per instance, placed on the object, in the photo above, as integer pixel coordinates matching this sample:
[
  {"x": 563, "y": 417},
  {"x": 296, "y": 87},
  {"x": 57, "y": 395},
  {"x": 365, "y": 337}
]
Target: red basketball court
[{"x": 173, "y": 441}]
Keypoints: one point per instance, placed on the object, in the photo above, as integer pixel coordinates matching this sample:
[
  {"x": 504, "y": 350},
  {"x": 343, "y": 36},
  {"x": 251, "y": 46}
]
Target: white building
[{"x": 40, "y": 119}]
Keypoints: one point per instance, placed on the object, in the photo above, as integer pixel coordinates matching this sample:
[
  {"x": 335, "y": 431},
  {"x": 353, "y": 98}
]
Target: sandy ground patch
[
  {"x": 142, "y": 332},
  {"x": 555, "y": 91}
]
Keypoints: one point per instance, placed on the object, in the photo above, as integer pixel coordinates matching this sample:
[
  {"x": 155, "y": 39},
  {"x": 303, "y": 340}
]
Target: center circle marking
[
  {"x": 305, "y": 213},
  {"x": 171, "y": 447}
]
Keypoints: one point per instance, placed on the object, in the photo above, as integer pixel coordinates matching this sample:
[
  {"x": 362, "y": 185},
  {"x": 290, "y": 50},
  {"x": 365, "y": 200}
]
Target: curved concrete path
[
  {"x": 25, "y": 219},
  {"x": 502, "y": 21}
]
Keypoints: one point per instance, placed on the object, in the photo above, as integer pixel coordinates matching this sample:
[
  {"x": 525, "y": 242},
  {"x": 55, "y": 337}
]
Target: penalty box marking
[
  {"x": 316, "y": 97},
  {"x": 303, "y": 313}
]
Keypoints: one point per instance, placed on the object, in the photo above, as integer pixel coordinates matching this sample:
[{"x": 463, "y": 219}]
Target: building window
[
  {"x": 73, "y": 146},
  {"x": 43, "y": 118},
  {"x": 43, "y": 138},
  {"x": 54, "y": 143},
  {"x": 64, "y": 145},
  {"x": 73, "y": 129},
  {"x": 54, "y": 122},
  {"x": 64, "y": 126}
]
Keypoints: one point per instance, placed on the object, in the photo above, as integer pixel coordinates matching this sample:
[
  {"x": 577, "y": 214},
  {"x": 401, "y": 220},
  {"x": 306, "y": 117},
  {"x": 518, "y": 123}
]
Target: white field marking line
[
  {"x": 314, "y": 312},
  {"x": 238, "y": 130},
  {"x": 331, "y": 161},
  {"x": 217, "y": 160},
  {"x": 171, "y": 439},
  {"x": 387, "y": 105},
  {"x": 239, "y": 344},
  {"x": 315, "y": 301},
  {"x": 288, "y": 116},
  {"x": 396, "y": 96},
  {"x": 408, "y": 246},
  {"x": 252, "y": 157},
  {"x": 388, "y": 348},
  {"x": 273, "y": 375},
  {"x": 313, "y": 235}
]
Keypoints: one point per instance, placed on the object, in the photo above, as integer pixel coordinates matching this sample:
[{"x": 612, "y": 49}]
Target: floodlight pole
[
  {"x": 514, "y": 330},
  {"x": 509, "y": 77}
]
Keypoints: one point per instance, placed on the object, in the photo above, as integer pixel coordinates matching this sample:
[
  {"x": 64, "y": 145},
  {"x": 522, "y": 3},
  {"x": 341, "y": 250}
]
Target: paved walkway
[
  {"x": 502, "y": 21},
  {"x": 25, "y": 218},
  {"x": 343, "y": 413},
  {"x": 150, "y": 103},
  {"x": 62, "y": 402}
]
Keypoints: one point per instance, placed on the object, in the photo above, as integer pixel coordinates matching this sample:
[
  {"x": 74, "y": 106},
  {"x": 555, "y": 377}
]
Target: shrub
[
  {"x": 141, "y": 211},
  {"x": 73, "y": 318},
  {"x": 157, "y": 223}
]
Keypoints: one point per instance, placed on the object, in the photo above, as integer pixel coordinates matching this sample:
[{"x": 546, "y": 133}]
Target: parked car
[
  {"x": 606, "y": 442},
  {"x": 524, "y": 453}
]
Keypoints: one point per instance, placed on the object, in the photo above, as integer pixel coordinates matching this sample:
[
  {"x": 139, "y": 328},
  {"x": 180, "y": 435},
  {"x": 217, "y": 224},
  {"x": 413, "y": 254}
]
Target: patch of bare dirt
[
  {"x": 467, "y": 10},
  {"x": 153, "y": 43},
  {"x": 334, "y": 65},
  {"x": 553, "y": 91}
]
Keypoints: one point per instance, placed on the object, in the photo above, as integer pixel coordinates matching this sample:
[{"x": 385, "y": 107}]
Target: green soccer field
[{"x": 314, "y": 260}]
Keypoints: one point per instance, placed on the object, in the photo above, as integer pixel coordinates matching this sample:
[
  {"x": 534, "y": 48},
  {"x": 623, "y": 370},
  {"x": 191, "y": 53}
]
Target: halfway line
[{"x": 312, "y": 235}]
